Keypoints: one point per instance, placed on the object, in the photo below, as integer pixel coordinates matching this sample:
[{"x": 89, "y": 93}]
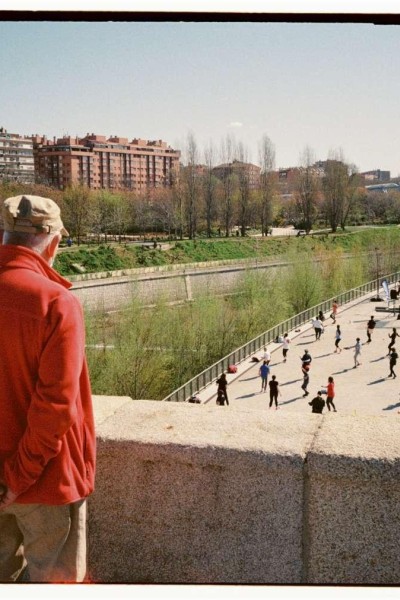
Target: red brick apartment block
[{"x": 99, "y": 163}]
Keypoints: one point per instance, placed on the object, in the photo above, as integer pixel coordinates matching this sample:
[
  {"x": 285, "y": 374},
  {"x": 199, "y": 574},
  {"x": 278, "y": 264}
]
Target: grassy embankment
[
  {"x": 153, "y": 356},
  {"x": 128, "y": 256}
]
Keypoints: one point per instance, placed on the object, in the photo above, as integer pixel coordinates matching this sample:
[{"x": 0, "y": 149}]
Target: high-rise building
[
  {"x": 16, "y": 157},
  {"x": 99, "y": 163}
]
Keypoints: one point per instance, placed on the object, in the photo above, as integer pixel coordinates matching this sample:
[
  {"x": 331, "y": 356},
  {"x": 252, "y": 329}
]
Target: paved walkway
[{"x": 362, "y": 390}]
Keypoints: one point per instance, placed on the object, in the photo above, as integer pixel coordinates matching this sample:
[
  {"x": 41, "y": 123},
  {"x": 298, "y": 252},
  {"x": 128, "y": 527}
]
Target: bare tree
[
  {"x": 178, "y": 204},
  {"x": 267, "y": 182},
  {"x": 78, "y": 210},
  {"x": 191, "y": 185},
  {"x": 228, "y": 181},
  {"x": 143, "y": 213},
  {"x": 340, "y": 184},
  {"x": 306, "y": 189},
  {"x": 209, "y": 186},
  {"x": 164, "y": 210},
  {"x": 243, "y": 175}
]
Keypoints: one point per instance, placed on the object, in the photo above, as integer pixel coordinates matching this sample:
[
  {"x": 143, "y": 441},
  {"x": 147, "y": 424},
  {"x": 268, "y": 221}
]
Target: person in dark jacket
[
  {"x": 317, "y": 403},
  {"x": 306, "y": 359},
  {"x": 370, "y": 327},
  {"x": 273, "y": 392},
  {"x": 222, "y": 383},
  {"x": 393, "y": 337},
  {"x": 392, "y": 362}
]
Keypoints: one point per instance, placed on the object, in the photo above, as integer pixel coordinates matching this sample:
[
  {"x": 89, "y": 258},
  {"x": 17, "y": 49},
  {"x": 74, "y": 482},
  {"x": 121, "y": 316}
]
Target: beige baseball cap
[{"x": 32, "y": 214}]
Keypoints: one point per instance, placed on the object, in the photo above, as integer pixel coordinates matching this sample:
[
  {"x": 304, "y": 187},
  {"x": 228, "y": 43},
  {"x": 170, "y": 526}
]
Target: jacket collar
[{"x": 19, "y": 257}]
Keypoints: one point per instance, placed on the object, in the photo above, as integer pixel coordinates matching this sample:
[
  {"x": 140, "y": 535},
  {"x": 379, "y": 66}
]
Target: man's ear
[
  {"x": 54, "y": 244},
  {"x": 51, "y": 249}
]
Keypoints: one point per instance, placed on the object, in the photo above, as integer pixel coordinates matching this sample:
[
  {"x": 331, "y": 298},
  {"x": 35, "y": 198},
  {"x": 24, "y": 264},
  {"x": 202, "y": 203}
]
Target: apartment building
[
  {"x": 16, "y": 157},
  {"x": 239, "y": 168},
  {"x": 99, "y": 162},
  {"x": 376, "y": 175}
]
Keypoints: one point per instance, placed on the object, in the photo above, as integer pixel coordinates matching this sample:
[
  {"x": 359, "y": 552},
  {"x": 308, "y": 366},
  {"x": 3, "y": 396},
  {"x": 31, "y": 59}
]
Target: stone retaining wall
[
  {"x": 114, "y": 292},
  {"x": 201, "y": 494}
]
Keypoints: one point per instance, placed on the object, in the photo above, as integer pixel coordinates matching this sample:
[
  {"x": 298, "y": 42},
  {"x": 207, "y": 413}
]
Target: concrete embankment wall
[
  {"x": 112, "y": 293},
  {"x": 201, "y": 494}
]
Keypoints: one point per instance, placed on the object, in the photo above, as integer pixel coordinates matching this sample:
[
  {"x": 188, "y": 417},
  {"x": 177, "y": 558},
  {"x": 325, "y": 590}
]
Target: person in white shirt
[
  {"x": 285, "y": 346},
  {"x": 266, "y": 356},
  {"x": 318, "y": 327}
]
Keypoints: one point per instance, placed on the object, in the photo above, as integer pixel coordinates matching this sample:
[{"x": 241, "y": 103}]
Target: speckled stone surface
[
  {"x": 189, "y": 494},
  {"x": 353, "y": 498},
  {"x": 198, "y": 494}
]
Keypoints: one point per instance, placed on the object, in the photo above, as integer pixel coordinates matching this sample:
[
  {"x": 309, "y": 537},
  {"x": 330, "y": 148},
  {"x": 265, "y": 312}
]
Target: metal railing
[{"x": 209, "y": 375}]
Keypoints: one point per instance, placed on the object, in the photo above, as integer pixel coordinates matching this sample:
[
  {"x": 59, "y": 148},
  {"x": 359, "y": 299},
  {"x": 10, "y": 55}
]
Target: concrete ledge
[{"x": 202, "y": 494}]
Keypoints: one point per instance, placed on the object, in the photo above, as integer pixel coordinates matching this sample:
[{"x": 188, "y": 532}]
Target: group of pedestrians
[{"x": 317, "y": 403}]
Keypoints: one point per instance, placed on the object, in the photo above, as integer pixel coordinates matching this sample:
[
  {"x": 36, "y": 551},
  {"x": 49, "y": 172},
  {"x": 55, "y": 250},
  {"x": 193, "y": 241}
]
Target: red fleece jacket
[{"x": 47, "y": 438}]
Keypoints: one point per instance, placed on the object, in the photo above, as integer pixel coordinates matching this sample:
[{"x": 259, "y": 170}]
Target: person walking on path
[
  {"x": 264, "y": 372},
  {"x": 370, "y": 327},
  {"x": 317, "y": 403},
  {"x": 334, "y": 311},
  {"x": 318, "y": 327},
  {"x": 330, "y": 394},
  {"x": 285, "y": 346},
  {"x": 357, "y": 353},
  {"x": 306, "y": 381},
  {"x": 306, "y": 359},
  {"x": 222, "y": 384},
  {"x": 273, "y": 392},
  {"x": 392, "y": 362},
  {"x": 338, "y": 337},
  {"x": 393, "y": 337},
  {"x": 321, "y": 316},
  {"x": 47, "y": 432}
]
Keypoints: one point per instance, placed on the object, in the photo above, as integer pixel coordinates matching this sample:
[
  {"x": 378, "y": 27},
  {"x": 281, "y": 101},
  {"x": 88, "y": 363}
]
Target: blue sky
[{"x": 326, "y": 86}]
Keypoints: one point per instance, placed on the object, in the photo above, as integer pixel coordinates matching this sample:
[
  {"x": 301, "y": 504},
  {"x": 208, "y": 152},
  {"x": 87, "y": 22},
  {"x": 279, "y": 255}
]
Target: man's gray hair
[{"x": 37, "y": 242}]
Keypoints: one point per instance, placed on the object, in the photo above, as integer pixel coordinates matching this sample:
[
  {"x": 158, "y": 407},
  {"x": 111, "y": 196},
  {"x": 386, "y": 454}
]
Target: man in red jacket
[{"x": 47, "y": 438}]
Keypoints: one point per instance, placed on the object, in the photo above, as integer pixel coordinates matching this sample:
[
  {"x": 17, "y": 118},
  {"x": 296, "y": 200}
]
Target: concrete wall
[
  {"x": 177, "y": 286},
  {"x": 201, "y": 494}
]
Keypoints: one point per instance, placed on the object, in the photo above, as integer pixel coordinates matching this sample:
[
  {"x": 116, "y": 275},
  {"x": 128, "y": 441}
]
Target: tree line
[{"x": 198, "y": 203}]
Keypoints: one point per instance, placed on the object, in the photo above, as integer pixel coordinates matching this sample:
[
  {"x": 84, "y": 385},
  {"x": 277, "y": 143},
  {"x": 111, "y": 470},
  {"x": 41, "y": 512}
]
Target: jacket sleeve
[{"x": 53, "y": 406}]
